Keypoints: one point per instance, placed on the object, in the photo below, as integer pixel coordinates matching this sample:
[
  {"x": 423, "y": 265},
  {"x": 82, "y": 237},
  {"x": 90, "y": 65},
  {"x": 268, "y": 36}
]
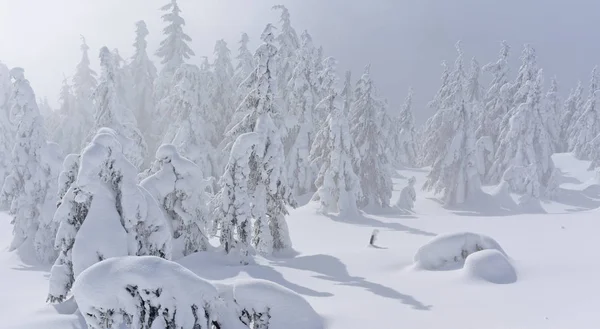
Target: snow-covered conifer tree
[
  {"x": 288, "y": 43},
  {"x": 221, "y": 92},
  {"x": 408, "y": 196},
  {"x": 496, "y": 99},
  {"x": 587, "y": 126},
  {"x": 245, "y": 62},
  {"x": 271, "y": 193},
  {"x": 550, "y": 113},
  {"x": 367, "y": 133},
  {"x": 233, "y": 213},
  {"x": 84, "y": 84},
  {"x": 189, "y": 131},
  {"x": 104, "y": 214},
  {"x": 26, "y": 188},
  {"x": 180, "y": 189},
  {"x": 73, "y": 124},
  {"x": 112, "y": 112},
  {"x": 143, "y": 73},
  {"x": 527, "y": 72},
  {"x": 570, "y": 113},
  {"x": 338, "y": 186},
  {"x": 525, "y": 141},
  {"x": 173, "y": 50},
  {"x": 403, "y": 140},
  {"x": 301, "y": 121}
]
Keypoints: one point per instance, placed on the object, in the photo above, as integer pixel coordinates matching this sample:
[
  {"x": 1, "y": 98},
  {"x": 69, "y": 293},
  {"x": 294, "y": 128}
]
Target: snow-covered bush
[
  {"x": 265, "y": 305},
  {"x": 408, "y": 196},
  {"x": 147, "y": 292},
  {"x": 105, "y": 214},
  {"x": 180, "y": 189},
  {"x": 449, "y": 251},
  {"x": 491, "y": 266}
]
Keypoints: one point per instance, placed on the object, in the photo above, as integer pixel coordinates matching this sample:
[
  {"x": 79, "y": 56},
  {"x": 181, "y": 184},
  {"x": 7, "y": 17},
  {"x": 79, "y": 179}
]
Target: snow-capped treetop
[
  {"x": 288, "y": 38},
  {"x": 550, "y": 113},
  {"x": 570, "y": 113},
  {"x": 84, "y": 80},
  {"x": 587, "y": 126},
  {"x": 221, "y": 91},
  {"x": 245, "y": 61},
  {"x": 442, "y": 93},
  {"x": 527, "y": 72},
  {"x": 499, "y": 71},
  {"x": 347, "y": 93},
  {"x": 474, "y": 89},
  {"x": 174, "y": 49}
]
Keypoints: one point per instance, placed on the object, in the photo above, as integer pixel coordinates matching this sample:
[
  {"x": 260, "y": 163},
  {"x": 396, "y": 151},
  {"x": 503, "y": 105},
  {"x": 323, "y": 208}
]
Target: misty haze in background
[{"x": 405, "y": 40}]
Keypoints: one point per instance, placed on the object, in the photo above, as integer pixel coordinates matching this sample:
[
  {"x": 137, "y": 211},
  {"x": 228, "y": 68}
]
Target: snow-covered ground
[{"x": 353, "y": 285}]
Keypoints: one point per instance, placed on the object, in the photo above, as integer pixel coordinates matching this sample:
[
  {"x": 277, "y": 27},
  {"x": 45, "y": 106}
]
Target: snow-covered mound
[
  {"x": 449, "y": 251},
  {"x": 490, "y": 265},
  {"x": 279, "y": 306}
]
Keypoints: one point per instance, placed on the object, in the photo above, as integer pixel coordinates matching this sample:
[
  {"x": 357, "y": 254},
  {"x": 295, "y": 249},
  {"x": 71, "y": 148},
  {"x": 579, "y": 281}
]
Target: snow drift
[
  {"x": 449, "y": 251},
  {"x": 491, "y": 266}
]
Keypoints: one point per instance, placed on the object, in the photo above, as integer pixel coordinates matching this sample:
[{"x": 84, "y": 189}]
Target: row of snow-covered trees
[
  {"x": 507, "y": 131},
  {"x": 158, "y": 162}
]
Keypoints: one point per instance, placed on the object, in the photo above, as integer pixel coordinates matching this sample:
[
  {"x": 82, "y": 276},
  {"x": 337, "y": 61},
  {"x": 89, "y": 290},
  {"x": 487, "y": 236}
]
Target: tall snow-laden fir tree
[
  {"x": 430, "y": 131},
  {"x": 527, "y": 72},
  {"x": 112, "y": 112},
  {"x": 73, "y": 122},
  {"x": 26, "y": 188},
  {"x": 587, "y": 126},
  {"x": 245, "y": 62},
  {"x": 143, "y": 74},
  {"x": 173, "y": 50},
  {"x": 232, "y": 205},
  {"x": 84, "y": 84},
  {"x": 497, "y": 97},
  {"x": 104, "y": 214},
  {"x": 301, "y": 121},
  {"x": 525, "y": 141},
  {"x": 270, "y": 191},
  {"x": 221, "y": 92},
  {"x": 367, "y": 133},
  {"x": 338, "y": 186},
  {"x": 288, "y": 44},
  {"x": 189, "y": 131},
  {"x": 551, "y": 115},
  {"x": 570, "y": 113},
  {"x": 403, "y": 140},
  {"x": 6, "y": 125},
  {"x": 180, "y": 189}
]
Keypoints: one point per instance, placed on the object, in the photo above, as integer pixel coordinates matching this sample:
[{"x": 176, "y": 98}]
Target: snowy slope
[{"x": 353, "y": 285}]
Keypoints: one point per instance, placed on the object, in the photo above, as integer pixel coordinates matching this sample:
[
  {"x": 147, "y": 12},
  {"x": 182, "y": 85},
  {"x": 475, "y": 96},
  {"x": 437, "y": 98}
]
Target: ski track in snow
[{"x": 353, "y": 285}]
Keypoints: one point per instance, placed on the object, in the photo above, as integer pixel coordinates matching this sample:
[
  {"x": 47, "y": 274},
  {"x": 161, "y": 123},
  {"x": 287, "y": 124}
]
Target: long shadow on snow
[
  {"x": 363, "y": 220},
  {"x": 332, "y": 269},
  {"x": 583, "y": 200},
  {"x": 203, "y": 264},
  {"x": 29, "y": 262}
]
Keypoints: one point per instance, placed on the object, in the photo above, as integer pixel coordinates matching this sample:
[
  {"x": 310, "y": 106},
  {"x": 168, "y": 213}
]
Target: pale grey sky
[{"x": 405, "y": 40}]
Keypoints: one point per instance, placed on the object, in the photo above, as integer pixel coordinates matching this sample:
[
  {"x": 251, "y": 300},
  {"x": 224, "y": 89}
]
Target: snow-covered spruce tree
[
  {"x": 189, "y": 131},
  {"x": 408, "y": 196},
  {"x": 587, "y": 126},
  {"x": 570, "y": 113},
  {"x": 550, "y": 113},
  {"x": 233, "y": 213},
  {"x": 527, "y": 72},
  {"x": 73, "y": 124},
  {"x": 221, "y": 92},
  {"x": 288, "y": 44},
  {"x": 68, "y": 175},
  {"x": 143, "y": 74},
  {"x": 6, "y": 125},
  {"x": 105, "y": 214},
  {"x": 26, "y": 188},
  {"x": 301, "y": 122},
  {"x": 173, "y": 50},
  {"x": 403, "y": 140},
  {"x": 270, "y": 191},
  {"x": 430, "y": 132},
  {"x": 525, "y": 141},
  {"x": 180, "y": 189},
  {"x": 496, "y": 99},
  {"x": 112, "y": 112},
  {"x": 84, "y": 84},
  {"x": 338, "y": 186},
  {"x": 455, "y": 169},
  {"x": 367, "y": 133},
  {"x": 245, "y": 62}
]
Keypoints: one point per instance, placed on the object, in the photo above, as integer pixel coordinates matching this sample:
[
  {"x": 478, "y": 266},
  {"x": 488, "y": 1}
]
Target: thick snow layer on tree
[
  {"x": 129, "y": 287},
  {"x": 490, "y": 265},
  {"x": 285, "y": 308},
  {"x": 448, "y": 251}
]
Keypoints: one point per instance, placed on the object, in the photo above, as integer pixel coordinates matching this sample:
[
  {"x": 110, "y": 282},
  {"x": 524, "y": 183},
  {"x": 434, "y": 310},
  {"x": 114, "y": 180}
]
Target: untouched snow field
[{"x": 353, "y": 285}]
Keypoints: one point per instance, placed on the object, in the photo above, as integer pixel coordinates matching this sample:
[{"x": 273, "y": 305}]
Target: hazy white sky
[{"x": 405, "y": 40}]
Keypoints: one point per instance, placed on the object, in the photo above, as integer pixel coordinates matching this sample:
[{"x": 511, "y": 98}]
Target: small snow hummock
[
  {"x": 490, "y": 265},
  {"x": 151, "y": 292},
  {"x": 449, "y": 251}
]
